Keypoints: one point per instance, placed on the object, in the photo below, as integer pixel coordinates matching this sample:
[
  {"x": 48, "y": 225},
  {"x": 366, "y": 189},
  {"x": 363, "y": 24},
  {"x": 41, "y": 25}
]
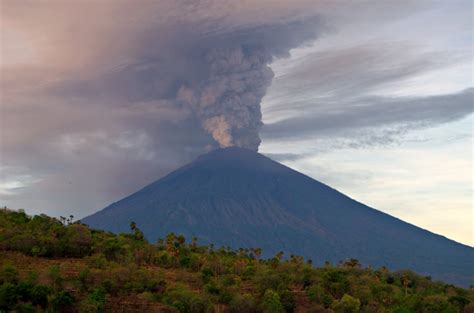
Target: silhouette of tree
[
  {"x": 133, "y": 226},
  {"x": 352, "y": 263},
  {"x": 258, "y": 252}
]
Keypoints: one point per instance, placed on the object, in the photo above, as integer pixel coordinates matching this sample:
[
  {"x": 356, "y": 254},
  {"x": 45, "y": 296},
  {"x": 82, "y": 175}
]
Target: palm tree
[
  {"x": 133, "y": 226},
  {"x": 352, "y": 263},
  {"x": 181, "y": 240},
  {"x": 194, "y": 242},
  {"x": 279, "y": 255}
]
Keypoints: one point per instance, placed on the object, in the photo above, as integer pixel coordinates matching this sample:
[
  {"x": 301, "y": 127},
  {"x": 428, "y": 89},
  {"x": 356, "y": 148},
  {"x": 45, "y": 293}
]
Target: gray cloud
[
  {"x": 355, "y": 70},
  {"x": 220, "y": 78},
  {"x": 368, "y": 112},
  {"x": 99, "y": 109}
]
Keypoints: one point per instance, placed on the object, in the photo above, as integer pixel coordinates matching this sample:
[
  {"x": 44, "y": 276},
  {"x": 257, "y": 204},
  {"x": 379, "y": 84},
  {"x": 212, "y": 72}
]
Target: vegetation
[{"x": 58, "y": 265}]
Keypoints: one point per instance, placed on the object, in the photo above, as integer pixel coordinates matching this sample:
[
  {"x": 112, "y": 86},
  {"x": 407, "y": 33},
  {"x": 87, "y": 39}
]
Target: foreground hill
[
  {"x": 47, "y": 265},
  {"x": 239, "y": 198}
]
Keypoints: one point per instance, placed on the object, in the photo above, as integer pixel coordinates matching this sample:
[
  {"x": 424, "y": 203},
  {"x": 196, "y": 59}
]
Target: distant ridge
[{"x": 239, "y": 198}]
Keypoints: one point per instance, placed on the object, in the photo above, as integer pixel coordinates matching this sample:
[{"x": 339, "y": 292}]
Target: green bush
[
  {"x": 185, "y": 300},
  {"x": 346, "y": 304},
  {"x": 24, "y": 308},
  {"x": 8, "y": 274},
  {"x": 95, "y": 301},
  {"x": 8, "y": 297},
  {"x": 242, "y": 304},
  {"x": 61, "y": 301},
  {"x": 206, "y": 275},
  {"x": 288, "y": 301},
  {"x": 39, "y": 295},
  {"x": 55, "y": 278},
  {"x": 271, "y": 302}
]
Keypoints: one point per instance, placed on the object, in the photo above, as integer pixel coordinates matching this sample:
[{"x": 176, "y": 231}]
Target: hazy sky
[{"x": 375, "y": 98}]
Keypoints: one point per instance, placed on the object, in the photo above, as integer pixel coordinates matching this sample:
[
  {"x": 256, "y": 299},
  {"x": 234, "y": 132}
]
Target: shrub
[
  {"x": 271, "y": 302},
  {"x": 437, "y": 303},
  {"x": 54, "y": 274},
  {"x": 185, "y": 300},
  {"x": 8, "y": 297},
  {"x": 24, "y": 308},
  {"x": 61, "y": 301},
  {"x": 9, "y": 274},
  {"x": 287, "y": 299},
  {"x": 228, "y": 281},
  {"x": 206, "y": 275},
  {"x": 242, "y": 304},
  {"x": 335, "y": 281},
  {"x": 39, "y": 295},
  {"x": 346, "y": 304},
  {"x": 271, "y": 280},
  {"x": 98, "y": 261},
  {"x": 83, "y": 278},
  {"x": 95, "y": 301}
]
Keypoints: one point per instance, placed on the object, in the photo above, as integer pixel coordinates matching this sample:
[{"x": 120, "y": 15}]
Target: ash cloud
[
  {"x": 216, "y": 70},
  {"x": 96, "y": 110},
  {"x": 228, "y": 102},
  {"x": 230, "y": 74}
]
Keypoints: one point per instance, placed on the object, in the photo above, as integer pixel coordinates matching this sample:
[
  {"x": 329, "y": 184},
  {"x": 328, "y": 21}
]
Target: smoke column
[{"x": 228, "y": 102}]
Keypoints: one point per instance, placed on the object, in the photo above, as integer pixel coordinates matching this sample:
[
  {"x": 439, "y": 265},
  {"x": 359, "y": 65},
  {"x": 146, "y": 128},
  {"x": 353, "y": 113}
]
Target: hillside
[
  {"x": 239, "y": 198},
  {"x": 64, "y": 266}
]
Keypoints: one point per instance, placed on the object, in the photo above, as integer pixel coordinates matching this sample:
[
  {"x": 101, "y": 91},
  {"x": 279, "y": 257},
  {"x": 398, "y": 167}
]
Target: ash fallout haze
[{"x": 374, "y": 98}]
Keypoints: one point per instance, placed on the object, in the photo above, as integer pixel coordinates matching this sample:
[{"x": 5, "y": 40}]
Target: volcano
[{"x": 239, "y": 198}]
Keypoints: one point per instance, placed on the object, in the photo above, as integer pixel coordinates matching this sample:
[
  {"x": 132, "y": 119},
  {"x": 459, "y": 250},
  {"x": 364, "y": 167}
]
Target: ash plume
[
  {"x": 135, "y": 92},
  {"x": 228, "y": 102}
]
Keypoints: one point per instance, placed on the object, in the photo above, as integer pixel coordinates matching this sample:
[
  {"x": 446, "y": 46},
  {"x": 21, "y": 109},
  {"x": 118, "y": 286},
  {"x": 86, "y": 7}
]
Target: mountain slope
[{"x": 237, "y": 197}]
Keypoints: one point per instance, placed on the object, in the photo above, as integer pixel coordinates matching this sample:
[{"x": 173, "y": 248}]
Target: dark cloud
[{"x": 220, "y": 78}]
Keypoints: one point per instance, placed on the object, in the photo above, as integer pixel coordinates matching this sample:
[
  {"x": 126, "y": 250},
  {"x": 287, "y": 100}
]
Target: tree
[
  {"x": 459, "y": 301},
  {"x": 8, "y": 297},
  {"x": 280, "y": 255},
  {"x": 352, "y": 263},
  {"x": 55, "y": 277},
  {"x": 258, "y": 252},
  {"x": 137, "y": 233},
  {"x": 406, "y": 282},
  {"x": 95, "y": 301},
  {"x": 287, "y": 299},
  {"x": 271, "y": 302},
  {"x": 61, "y": 301},
  {"x": 180, "y": 240},
  {"x": 194, "y": 242},
  {"x": 9, "y": 274},
  {"x": 346, "y": 304},
  {"x": 39, "y": 295}
]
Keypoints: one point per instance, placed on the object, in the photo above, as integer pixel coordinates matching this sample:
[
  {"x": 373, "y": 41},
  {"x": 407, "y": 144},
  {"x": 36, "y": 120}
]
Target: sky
[{"x": 374, "y": 98}]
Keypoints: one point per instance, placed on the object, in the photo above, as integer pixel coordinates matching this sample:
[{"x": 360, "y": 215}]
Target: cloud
[
  {"x": 372, "y": 112},
  {"x": 100, "y": 98}
]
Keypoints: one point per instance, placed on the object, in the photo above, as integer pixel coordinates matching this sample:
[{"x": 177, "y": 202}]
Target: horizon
[{"x": 100, "y": 99}]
